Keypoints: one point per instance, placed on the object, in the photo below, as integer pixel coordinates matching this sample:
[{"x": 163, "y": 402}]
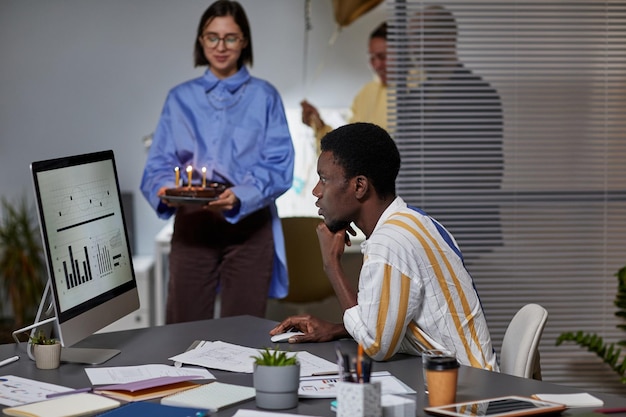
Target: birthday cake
[{"x": 212, "y": 190}]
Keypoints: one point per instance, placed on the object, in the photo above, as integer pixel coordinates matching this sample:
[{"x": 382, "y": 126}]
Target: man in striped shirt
[{"x": 414, "y": 292}]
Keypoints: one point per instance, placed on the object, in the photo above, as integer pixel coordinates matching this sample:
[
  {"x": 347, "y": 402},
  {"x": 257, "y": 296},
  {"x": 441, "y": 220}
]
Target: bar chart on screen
[
  {"x": 88, "y": 261},
  {"x": 96, "y": 257}
]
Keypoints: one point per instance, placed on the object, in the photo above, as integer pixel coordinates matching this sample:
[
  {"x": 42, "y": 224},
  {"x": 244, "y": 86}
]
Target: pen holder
[{"x": 358, "y": 400}]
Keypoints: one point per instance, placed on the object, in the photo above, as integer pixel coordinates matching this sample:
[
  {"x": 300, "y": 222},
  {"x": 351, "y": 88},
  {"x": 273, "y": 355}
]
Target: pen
[
  {"x": 325, "y": 373},
  {"x": 367, "y": 370},
  {"x": 347, "y": 372},
  {"x": 9, "y": 360},
  {"x": 339, "y": 361},
  {"x": 343, "y": 363},
  {"x": 610, "y": 410},
  {"x": 75, "y": 391}
]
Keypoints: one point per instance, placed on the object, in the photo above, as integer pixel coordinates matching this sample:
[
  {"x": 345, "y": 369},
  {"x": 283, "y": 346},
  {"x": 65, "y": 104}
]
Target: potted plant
[
  {"x": 47, "y": 351},
  {"x": 609, "y": 353},
  {"x": 276, "y": 379},
  {"x": 21, "y": 261}
]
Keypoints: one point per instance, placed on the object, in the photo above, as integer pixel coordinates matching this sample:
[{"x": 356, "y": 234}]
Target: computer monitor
[{"x": 91, "y": 277}]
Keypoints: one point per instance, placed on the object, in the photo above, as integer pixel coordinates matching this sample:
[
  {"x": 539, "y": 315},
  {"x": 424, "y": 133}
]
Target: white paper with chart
[{"x": 235, "y": 358}]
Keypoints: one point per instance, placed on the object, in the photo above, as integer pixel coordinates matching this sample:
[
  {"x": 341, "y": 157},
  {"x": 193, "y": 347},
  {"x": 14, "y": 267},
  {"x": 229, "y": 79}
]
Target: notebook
[
  {"x": 212, "y": 396},
  {"x": 148, "y": 409},
  {"x": 147, "y": 393},
  {"x": 582, "y": 399},
  {"x": 67, "y": 406},
  {"x": 147, "y": 389}
]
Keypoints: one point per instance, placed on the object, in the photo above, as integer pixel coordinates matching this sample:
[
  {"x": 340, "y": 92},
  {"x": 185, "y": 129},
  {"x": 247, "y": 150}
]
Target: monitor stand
[
  {"x": 90, "y": 356},
  {"x": 46, "y": 320}
]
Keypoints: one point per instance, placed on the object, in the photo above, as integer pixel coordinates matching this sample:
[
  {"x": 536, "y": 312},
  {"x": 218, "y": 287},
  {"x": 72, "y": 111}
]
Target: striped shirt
[{"x": 415, "y": 293}]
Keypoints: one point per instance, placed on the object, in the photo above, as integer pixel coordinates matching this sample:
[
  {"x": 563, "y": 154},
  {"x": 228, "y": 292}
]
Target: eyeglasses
[{"x": 230, "y": 41}]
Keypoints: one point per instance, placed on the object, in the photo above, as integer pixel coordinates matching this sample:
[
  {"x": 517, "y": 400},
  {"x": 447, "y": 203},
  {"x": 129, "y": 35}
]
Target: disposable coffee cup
[
  {"x": 434, "y": 353},
  {"x": 441, "y": 377}
]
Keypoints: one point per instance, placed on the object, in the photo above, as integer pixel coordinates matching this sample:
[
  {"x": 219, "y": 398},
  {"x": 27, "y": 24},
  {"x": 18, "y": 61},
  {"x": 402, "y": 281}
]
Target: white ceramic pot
[
  {"x": 47, "y": 356},
  {"x": 276, "y": 386}
]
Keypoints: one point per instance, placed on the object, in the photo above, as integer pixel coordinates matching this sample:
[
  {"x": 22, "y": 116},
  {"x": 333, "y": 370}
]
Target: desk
[{"x": 156, "y": 344}]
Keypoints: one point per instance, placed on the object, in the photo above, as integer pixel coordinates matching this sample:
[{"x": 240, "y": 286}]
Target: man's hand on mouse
[{"x": 314, "y": 329}]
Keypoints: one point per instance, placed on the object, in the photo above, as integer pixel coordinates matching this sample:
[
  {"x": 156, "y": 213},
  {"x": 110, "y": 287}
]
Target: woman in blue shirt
[{"x": 234, "y": 125}]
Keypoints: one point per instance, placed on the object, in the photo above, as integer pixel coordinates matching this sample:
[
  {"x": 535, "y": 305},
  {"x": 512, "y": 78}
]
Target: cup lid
[{"x": 442, "y": 363}]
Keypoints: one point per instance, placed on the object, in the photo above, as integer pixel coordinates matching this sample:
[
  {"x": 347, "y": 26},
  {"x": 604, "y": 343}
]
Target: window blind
[{"x": 510, "y": 117}]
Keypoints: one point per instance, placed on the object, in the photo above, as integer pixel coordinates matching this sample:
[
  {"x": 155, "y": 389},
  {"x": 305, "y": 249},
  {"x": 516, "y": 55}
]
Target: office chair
[
  {"x": 307, "y": 281},
  {"x": 519, "y": 354}
]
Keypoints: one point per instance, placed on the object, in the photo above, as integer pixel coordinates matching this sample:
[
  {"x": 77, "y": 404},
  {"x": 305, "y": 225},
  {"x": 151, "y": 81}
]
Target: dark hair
[
  {"x": 380, "y": 31},
  {"x": 365, "y": 149},
  {"x": 440, "y": 22},
  {"x": 223, "y": 8}
]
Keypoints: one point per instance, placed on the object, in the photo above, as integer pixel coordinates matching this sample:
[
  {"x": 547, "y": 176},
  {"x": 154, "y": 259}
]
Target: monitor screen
[{"x": 91, "y": 276}]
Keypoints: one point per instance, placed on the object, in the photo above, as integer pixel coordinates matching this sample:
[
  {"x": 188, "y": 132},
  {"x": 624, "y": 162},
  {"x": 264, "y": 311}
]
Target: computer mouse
[{"x": 284, "y": 337}]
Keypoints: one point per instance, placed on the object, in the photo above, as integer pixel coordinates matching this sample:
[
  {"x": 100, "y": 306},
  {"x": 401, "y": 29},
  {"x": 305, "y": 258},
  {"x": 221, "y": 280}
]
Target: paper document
[
  {"x": 125, "y": 374},
  {"x": 235, "y": 358},
  {"x": 17, "y": 391},
  {"x": 326, "y": 386},
  {"x": 582, "y": 399}
]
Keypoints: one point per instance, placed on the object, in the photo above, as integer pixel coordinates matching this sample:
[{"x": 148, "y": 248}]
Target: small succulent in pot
[
  {"x": 274, "y": 358},
  {"x": 40, "y": 338}
]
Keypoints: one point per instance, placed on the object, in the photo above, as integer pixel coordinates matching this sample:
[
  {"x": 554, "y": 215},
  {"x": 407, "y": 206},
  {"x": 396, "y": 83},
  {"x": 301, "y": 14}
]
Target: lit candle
[
  {"x": 189, "y": 169},
  {"x": 177, "y": 172},
  {"x": 203, "y": 177}
]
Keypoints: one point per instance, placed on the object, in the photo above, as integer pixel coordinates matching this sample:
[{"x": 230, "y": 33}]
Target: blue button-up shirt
[{"x": 236, "y": 128}]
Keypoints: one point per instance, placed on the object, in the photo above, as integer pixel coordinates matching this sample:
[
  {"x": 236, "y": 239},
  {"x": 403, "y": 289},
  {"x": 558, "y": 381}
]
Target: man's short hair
[
  {"x": 440, "y": 23},
  {"x": 380, "y": 31},
  {"x": 365, "y": 149}
]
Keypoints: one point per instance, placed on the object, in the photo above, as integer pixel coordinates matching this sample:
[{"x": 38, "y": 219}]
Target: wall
[{"x": 80, "y": 76}]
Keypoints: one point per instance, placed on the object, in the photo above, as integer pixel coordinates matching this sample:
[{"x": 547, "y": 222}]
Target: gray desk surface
[{"x": 156, "y": 344}]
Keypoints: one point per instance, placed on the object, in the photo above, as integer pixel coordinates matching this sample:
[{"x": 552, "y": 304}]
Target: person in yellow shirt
[{"x": 370, "y": 104}]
